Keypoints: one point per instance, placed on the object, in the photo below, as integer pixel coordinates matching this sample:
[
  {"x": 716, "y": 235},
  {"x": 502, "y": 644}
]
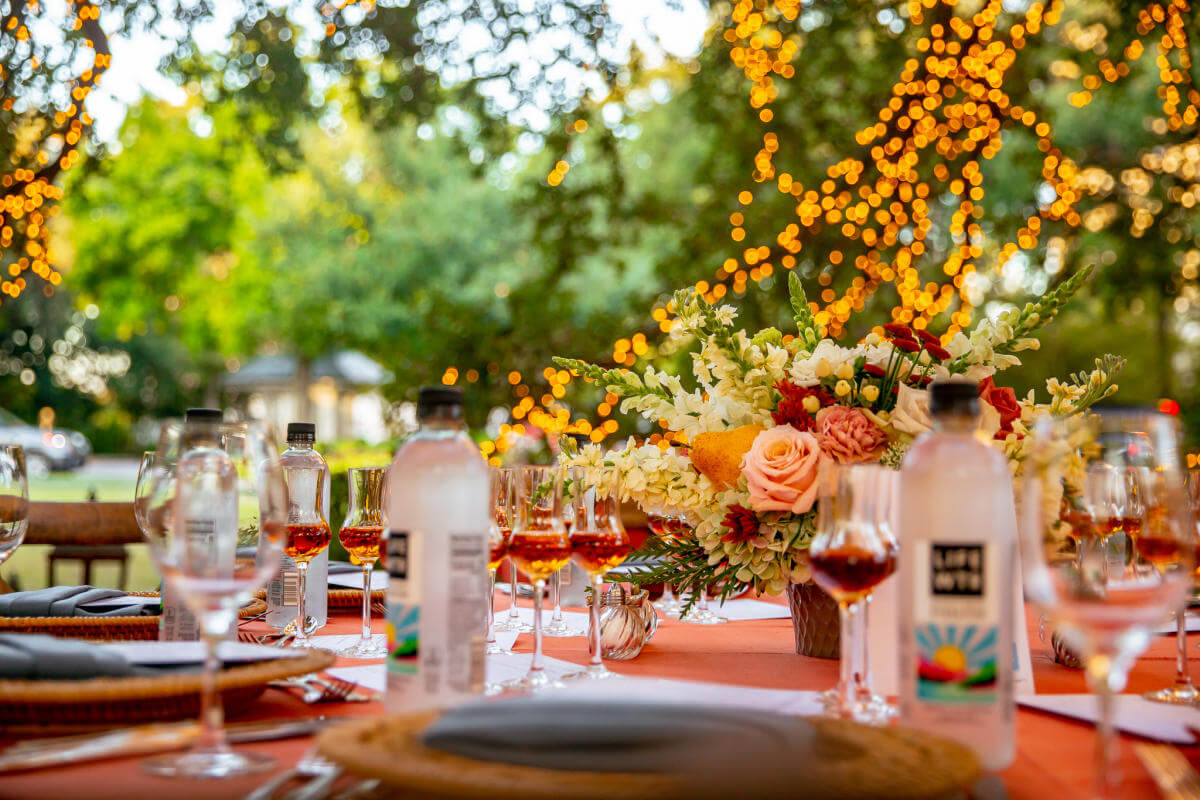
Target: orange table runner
[{"x": 1054, "y": 755}]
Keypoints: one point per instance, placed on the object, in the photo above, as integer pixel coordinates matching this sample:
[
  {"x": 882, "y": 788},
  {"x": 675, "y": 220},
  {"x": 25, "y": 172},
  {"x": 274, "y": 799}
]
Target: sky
[{"x": 134, "y": 70}]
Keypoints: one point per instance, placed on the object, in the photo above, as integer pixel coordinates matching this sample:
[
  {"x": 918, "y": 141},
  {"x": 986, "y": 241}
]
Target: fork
[
  {"x": 1171, "y": 772},
  {"x": 311, "y": 765}
]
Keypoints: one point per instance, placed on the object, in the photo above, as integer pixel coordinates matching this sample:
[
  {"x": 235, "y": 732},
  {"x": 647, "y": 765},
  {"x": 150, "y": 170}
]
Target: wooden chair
[{"x": 84, "y": 532}]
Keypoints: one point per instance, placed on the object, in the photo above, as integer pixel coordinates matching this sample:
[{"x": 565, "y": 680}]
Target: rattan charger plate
[
  {"x": 854, "y": 761},
  {"x": 342, "y": 600},
  {"x": 107, "y": 702},
  {"x": 141, "y": 628}
]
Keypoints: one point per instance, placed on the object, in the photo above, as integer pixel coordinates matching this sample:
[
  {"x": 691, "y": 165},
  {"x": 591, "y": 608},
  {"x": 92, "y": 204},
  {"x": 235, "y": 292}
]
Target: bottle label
[
  {"x": 956, "y": 622},
  {"x": 403, "y": 603}
]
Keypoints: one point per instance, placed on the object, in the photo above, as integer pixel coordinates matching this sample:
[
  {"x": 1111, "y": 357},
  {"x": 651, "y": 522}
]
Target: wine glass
[
  {"x": 699, "y": 613},
  {"x": 308, "y": 533},
  {"x": 200, "y": 475},
  {"x": 141, "y": 489},
  {"x": 512, "y": 622},
  {"x": 362, "y": 536},
  {"x": 499, "y": 532},
  {"x": 853, "y": 552},
  {"x": 598, "y": 544},
  {"x": 539, "y": 546},
  {"x": 1107, "y": 620},
  {"x": 668, "y": 604},
  {"x": 14, "y": 499},
  {"x": 558, "y": 626}
]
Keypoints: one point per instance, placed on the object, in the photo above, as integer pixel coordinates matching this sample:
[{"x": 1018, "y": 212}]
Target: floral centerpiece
[{"x": 766, "y": 410}]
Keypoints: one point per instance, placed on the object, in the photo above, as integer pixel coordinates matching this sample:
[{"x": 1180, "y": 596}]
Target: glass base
[
  {"x": 870, "y": 709},
  {"x": 496, "y": 649},
  {"x": 594, "y": 672},
  {"x": 209, "y": 764},
  {"x": 493, "y": 689},
  {"x": 533, "y": 682},
  {"x": 560, "y": 629},
  {"x": 668, "y": 607},
  {"x": 702, "y": 617},
  {"x": 507, "y": 625},
  {"x": 364, "y": 649},
  {"x": 1185, "y": 695}
]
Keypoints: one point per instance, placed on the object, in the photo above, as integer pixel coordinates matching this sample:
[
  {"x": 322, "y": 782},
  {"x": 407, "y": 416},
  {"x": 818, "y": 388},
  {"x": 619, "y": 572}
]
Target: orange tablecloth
[{"x": 1053, "y": 754}]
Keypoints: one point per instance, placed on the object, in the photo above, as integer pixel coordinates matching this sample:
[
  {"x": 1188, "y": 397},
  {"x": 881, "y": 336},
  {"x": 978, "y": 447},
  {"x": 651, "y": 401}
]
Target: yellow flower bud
[
  {"x": 824, "y": 368},
  {"x": 811, "y": 404},
  {"x": 870, "y": 393},
  {"x": 845, "y": 371},
  {"x": 841, "y": 388}
]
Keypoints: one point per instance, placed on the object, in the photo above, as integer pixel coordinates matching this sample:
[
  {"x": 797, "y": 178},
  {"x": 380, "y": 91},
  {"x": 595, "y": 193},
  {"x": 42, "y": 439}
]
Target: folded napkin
[
  {"x": 343, "y": 567},
  {"x": 620, "y": 736},
  {"x": 66, "y": 601},
  {"x": 34, "y": 656}
]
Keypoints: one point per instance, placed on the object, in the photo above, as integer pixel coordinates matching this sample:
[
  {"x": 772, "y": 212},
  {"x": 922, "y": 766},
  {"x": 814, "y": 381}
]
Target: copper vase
[{"x": 815, "y": 620}]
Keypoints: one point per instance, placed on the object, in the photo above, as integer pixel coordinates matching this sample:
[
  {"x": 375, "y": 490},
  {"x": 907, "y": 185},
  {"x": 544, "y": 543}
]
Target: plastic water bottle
[
  {"x": 436, "y": 560},
  {"x": 958, "y": 550},
  {"x": 206, "y": 506},
  {"x": 283, "y": 590}
]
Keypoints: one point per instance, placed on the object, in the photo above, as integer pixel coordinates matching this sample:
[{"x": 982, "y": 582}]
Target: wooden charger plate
[
  {"x": 142, "y": 628},
  {"x": 854, "y": 761},
  {"x": 108, "y": 702}
]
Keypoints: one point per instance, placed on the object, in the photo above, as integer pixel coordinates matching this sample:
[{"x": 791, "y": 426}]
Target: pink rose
[
  {"x": 849, "y": 436},
  {"x": 781, "y": 469}
]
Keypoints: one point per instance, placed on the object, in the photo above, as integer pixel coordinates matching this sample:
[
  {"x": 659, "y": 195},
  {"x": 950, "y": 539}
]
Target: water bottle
[
  {"x": 436, "y": 559},
  {"x": 283, "y": 590},
  {"x": 206, "y": 503},
  {"x": 958, "y": 550}
]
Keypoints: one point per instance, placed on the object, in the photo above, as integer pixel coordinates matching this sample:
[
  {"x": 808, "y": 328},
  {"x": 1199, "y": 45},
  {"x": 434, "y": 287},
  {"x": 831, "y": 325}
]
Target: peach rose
[
  {"x": 849, "y": 436},
  {"x": 781, "y": 470}
]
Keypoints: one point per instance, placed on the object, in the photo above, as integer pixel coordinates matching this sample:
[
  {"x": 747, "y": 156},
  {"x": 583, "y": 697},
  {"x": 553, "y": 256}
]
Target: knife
[{"x": 142, "y": 739}]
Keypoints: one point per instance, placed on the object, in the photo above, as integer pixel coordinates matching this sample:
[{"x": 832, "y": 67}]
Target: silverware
[
  {"x": 255, "y": 618},
  {"x": 310, "y": 765},
  {"x": 142, "y": 739},
  {"x": 1172, "y": 773},
  {"x": 327, "y": 689},
  {"x": 317, "y": 788},
  {"x": 356, "y": 790}
]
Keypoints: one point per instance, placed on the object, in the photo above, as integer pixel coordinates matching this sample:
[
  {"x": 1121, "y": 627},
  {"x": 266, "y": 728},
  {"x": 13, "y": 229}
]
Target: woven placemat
[
  {"x": 142, "y": 628},
  {"x": 107, "y": 702},
  {"x": 342, "y": 600},
  {"x": 854, "y": 762}
]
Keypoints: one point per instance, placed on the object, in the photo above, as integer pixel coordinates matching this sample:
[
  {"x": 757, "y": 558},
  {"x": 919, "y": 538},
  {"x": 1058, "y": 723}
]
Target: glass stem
[
  {"x": 1183, "y": 673},
  {"x": 491, "y": 615},
  {"x": 535, "y": 666},
  {"x": 512, "y": 601},
  {"x": 556, "y": 590},
  {"x": 702, "y": 603},
  {"x": 862, "y": 677},
  {"x": 366, "y": 621},
  {"x": 848, "y": 644},
  {"x": 594, "y": 623},
  {"x": 668, "y": 593},
  {"x": 1105, "y": 681},
  {"x": 301, "y": 609},
  {"x": 212, "y": 713}
]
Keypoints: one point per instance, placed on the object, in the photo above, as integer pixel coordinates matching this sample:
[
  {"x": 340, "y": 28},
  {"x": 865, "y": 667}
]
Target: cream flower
[{"x": 911, "y": 414}]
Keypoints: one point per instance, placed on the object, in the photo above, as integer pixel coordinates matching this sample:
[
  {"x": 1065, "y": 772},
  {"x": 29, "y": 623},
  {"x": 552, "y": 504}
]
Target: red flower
[
  {"x": 899, "y": 331},
  {"x": 790, "y": 409},
  {"x": 937, "y": 351},
  {"x": 907, "y": 345},
  {"x": 874, "y": 369},
  {"x": 929, "y": 339},
  {"x": 741, "y": 524},
  {"x": 1004, "y": 400}
]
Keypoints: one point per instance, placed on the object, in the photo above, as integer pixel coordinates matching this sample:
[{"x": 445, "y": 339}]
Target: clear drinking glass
[
  {"x": 204, "y": 479},
  {"x": 1105, "y": 618},
  {"x": 141, "y": 489},
  {"x": 512, "y": 622},
  {"x": 598, "y": 544},
  {"x": 668, "y": 604},
  {"x": 539, "y": 546},
  {"x": 699, "y": 613},
  {"x": 362, "y": 536},
  {"x": 558, "y": 625},
  {"x": 14, "y": 500},
  {"x": 853, "y": 552},
  {"x": 308, "y": 533},
  {"x": 498, "y": 535}
]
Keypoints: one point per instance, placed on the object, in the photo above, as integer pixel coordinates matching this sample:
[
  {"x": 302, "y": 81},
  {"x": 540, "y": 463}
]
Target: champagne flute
[
  {"x": 197, "y": 483},
  {"x": 362, "y": 536},
  {"x": 539, "y": 546},
  {"x": 1106, "y": 619},
  {"x": 853, "y": 552},
  {"x": 308, "y": 533},
  {"x": 14, "y": 499},
  {"x": 499, "y": 533},
  {"x": 598, "y": 544}
]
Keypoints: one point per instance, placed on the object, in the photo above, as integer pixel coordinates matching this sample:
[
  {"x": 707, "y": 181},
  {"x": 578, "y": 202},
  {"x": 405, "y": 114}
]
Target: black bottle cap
[
  {"x": 306, "y": 430},
  {"x": 210, "y": 415},
  {"x": 954, "y": 397},
  {"x": 439, "y": 398}
]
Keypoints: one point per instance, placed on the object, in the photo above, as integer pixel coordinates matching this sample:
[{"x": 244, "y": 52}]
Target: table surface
[{"x": 1054, "y": 755}]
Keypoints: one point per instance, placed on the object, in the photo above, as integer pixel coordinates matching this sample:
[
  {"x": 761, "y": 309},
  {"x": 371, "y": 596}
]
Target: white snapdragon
[{"x": 825, "y": 356}]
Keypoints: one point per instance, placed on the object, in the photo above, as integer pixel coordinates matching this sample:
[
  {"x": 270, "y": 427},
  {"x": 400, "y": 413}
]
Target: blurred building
[{"x": 339, "y": 392}]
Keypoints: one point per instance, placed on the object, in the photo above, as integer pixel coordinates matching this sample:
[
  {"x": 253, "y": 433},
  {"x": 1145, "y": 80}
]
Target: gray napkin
[
  {"x": 342, "y": 567},
  {"x": 616, "y": 736},
  {"x": 65, "y": 601},
  {"x": 34, "y": 656}
]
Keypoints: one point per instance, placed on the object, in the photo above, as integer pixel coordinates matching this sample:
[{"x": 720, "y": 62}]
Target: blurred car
[{"x": 45, "y": 450}]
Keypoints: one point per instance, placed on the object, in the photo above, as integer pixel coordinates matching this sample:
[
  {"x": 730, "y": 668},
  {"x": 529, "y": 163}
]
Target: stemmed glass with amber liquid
[
  {"x": 660, "y": 524},
  {"x": 539, "y": 546},
  {"x": 853, "y": 552},
  {"x": 362, "y": 536},
  {"x": 599, "y": 543},
  {"x": 307, "y": 531},
  {"x": 499, "y": 533}
]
